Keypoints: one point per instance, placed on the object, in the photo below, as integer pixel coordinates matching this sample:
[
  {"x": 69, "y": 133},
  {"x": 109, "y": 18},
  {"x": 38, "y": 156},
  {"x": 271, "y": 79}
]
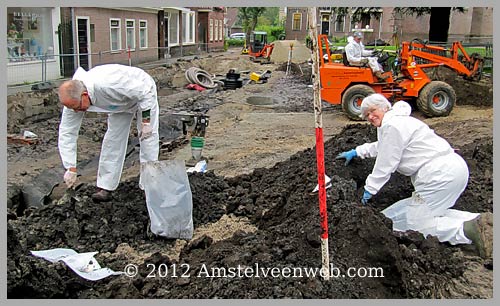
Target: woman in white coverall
[
  {"x": 357, "y": 56},
  {"x": 122, "y": 92},
  {"x": 439, "y": 175}
]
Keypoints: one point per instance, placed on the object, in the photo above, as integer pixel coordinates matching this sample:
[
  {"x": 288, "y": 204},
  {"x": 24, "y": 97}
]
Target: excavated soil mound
[{"x": 279, "y": 202}]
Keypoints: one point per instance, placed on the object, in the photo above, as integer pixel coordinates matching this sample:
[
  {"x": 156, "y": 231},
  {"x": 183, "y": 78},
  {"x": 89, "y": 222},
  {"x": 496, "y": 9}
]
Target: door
[
  {"x": 166, "y": 28},
  {"x": 66, "y": 46},
  {"x": 325, "y": 24},
  {"x": 83, "y": 42},
  {"x": 166, "y": 31},
  {"x": 325, "y": 27}
]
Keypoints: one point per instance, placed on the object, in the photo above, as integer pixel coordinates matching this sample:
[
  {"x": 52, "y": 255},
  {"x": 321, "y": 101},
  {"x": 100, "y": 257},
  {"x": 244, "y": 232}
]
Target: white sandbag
[{"x": 168, "y": 198}]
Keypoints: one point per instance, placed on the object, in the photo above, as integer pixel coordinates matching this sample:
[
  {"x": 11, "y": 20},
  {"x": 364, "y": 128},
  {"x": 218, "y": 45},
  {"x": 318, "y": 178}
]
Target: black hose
[{"x": 200, "y": 77}]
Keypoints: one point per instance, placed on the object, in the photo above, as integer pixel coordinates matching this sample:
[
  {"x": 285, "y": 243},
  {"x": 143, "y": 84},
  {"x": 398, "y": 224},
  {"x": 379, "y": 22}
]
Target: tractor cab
[
  {"x": 259, "y": 49},
  {"x": 258, "y": 39}
]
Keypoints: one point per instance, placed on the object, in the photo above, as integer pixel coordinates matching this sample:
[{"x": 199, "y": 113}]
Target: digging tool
[
  {"x": 320, "y": 150},
  {"x": 195, "y": 125},
  {"x": 37, "y": 191},
  {"x": 70, "y": 194}
]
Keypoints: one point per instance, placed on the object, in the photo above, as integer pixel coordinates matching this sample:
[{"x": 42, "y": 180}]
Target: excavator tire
[
  {"x": 436, "y": 99},
  {"x": 351, "y": 100}
]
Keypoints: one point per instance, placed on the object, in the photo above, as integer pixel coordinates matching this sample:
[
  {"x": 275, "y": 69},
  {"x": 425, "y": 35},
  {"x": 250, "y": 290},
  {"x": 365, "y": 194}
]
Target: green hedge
[{"x": 235, "y": 42}]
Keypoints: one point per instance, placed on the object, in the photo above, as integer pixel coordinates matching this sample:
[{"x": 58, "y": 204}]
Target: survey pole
[{"x": 320, "y": 150}]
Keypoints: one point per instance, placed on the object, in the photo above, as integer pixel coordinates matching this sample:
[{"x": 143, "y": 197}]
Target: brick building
[{"x": 475, "y": 25}]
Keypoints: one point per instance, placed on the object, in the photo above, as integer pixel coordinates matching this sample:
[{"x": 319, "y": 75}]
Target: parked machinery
[
  {"x": 260, "y": 50},
  {"x": 348, "y": 85}
]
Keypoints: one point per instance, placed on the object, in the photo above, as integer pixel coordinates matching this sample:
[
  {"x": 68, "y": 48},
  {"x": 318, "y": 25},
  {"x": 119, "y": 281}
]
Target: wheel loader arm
[
  {"x": 437, "y": 60},
  {"x": 323, "y": 48},
  {"x": 468, "y": 66}
]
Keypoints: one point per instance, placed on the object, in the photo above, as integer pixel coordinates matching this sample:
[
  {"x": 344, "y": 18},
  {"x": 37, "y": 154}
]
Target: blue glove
[
  {"x": 366, "y": 197},
  {"x": 347, "y": 155}
]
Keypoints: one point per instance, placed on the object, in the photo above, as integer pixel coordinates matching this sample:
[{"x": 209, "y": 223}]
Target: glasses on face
[{"x": 80, "y": 106}]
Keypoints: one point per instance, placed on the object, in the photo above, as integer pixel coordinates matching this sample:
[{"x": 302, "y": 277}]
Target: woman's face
[{"x": 374, "y": 115}]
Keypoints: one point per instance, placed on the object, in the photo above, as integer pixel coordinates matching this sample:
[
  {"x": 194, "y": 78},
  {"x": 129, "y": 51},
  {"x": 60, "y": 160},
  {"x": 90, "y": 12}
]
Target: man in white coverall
[
  {"x": 439, "y": 175},
  {"x": 358, "y": 56},
  {"x": 122, "y": 92}
]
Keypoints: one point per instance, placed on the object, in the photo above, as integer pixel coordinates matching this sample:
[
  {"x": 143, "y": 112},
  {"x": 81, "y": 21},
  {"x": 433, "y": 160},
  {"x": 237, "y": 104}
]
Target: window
[
  {"x": 216, "y": 30},
  {"x": 188, "y": 26},
  {"x": 221, "y": 29},
  {"x": 191, "y": 22},
  {"x": 29, "y": 33},
  {"x": 115, "y": 33},
  {"x": 173, "y": 29},
  {"x": 130, "y": 33},
  {"x": 297, "y": 21},
  {"x": 339, "y": 24},
  {"x": 92, "y": 32},
  {"x": 143, "y": 34},
  {"x": 354, "y": 25},
  {"x": 211, "y": 30}
]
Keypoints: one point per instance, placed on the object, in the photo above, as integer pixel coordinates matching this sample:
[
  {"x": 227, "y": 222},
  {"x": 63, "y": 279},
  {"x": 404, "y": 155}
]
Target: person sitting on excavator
[{"x": 358, "y": 56}]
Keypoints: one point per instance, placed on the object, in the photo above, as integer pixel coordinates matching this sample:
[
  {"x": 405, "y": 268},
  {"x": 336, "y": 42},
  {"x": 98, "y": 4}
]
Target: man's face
[
  {"x": 357, "y": 39},
  {"x": 80, "y": 105}
]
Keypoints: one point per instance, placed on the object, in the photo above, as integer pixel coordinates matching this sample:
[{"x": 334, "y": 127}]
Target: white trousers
[
  {"x": 438, "y": 184},
  {"x": 114, "y": 145},
  {"x": 373, "y": 63}
]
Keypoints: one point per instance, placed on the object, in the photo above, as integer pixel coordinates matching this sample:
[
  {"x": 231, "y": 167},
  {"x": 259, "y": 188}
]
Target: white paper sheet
[{"x": 84, "y": 264}]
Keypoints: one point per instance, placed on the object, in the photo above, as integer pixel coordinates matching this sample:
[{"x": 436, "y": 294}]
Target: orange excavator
[
  {"x": 260, "y": 50},
  {"x": 406, "y": 80}
]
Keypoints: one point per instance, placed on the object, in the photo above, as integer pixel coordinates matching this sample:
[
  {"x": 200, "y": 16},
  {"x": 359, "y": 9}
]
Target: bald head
[
  {"x": 70, "y": 93},
  {"x": 73, "y": 94}
]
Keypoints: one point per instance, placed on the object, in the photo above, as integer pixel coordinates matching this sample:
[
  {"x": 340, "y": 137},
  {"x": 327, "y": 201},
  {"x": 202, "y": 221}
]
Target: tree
[
  {"x": 272, "y": 14},
  {"x": 439, "y": 22},
  {"x": 249, "y": 17},
  {"x": 358, "y": 14}
]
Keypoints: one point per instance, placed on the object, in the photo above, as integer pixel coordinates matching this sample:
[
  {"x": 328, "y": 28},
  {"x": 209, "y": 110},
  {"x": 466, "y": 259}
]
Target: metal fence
[
  {"x": 35, "y": 70},
  {"x": 23, "y": 70}
]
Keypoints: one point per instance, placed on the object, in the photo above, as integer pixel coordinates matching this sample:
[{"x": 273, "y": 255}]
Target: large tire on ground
[
  {"x": 436, "y": 99},
  {"x": 351, "y": 100}
]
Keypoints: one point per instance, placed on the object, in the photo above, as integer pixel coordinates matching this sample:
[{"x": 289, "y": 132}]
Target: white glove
[
  {"x": 146, "y": 130},
  {"x": 70, "y": 178}
]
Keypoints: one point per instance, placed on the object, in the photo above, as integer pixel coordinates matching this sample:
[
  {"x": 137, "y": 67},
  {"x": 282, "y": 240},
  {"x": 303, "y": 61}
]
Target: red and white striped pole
[{"x": 320, "y": 149}]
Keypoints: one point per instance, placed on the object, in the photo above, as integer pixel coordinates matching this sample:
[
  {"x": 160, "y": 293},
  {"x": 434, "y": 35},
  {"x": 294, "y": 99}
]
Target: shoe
[
  {"x": 380, "y": 76},
  {"x": 102, "y": 195},
  {"x": 473, "y": 230}
]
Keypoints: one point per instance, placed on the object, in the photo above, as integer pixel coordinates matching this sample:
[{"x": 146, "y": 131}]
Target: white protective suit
[
  {"x": 355, "y": 52},
  {"x": 122, "y": 92},
  {"x": 439, "y": 175}
]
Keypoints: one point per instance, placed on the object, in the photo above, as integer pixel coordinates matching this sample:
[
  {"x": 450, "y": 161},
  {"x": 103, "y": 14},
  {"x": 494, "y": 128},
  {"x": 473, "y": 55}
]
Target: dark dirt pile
[{"x": 279, "y": 202}]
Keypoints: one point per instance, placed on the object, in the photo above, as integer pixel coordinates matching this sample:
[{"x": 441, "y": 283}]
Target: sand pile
[{"x": 300, "y": 53}]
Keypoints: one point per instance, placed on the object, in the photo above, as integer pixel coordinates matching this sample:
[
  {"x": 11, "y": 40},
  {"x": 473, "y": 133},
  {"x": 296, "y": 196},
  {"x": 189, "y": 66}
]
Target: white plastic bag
[
  {"x": 168, "y": 198},
  {"x": 327, "y": 184},
  {"x": 200, "y": 166}
]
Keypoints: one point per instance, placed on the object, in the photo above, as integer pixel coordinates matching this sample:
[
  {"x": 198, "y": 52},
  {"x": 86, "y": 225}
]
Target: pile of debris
[{"x": 278, "y": 201}]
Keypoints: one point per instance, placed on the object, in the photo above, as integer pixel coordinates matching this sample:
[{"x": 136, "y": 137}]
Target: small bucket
[{"x": 197, "y": 144}]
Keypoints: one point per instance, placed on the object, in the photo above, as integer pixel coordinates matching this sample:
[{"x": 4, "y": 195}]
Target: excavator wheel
[
  {"x": 351, "y": 100},
  {"x": 436, "y": 99}
]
